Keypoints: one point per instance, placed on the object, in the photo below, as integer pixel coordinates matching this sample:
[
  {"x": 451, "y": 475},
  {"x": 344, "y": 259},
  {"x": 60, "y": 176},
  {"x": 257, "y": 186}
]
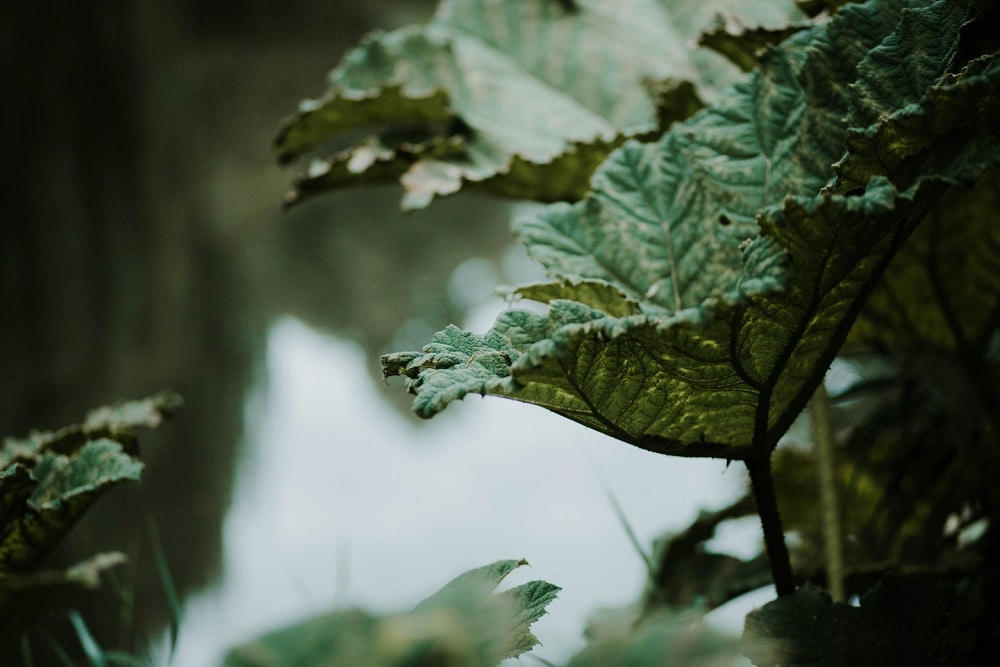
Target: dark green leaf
[
  {"x": 747, "y": 283},
  {"x": 942, "y": 292},
  {"x": 64, "y": 488}
]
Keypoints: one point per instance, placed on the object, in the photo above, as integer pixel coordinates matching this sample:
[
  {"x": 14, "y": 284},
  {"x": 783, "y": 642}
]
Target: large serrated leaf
[
  {"x": 464, "y": 623},
  {"x": 733, "y": 337},
  {"x": 530, "y": 95}
]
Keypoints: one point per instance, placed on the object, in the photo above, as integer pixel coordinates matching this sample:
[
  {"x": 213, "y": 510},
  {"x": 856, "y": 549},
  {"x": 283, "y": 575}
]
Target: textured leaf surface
[
  {"x": 527, "y": 96},
  {"x": 904, "y": 100},
  {"x": 49, "y": 479},
  {"x": 742, "y": 44},
  {"x": 465, "y": 623},
  {"x": 747, "y": 280}
]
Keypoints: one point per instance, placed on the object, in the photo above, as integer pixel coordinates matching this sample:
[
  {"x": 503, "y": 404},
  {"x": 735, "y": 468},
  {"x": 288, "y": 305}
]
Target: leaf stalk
[
  {"x": 822, "y": 427},
  {"x": 762, "y": 483}
]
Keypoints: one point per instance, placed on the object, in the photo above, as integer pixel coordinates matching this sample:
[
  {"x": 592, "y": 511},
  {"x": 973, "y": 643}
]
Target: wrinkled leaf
[
  {"x": 942, "y": 292},
  {"x": 23, "y": 597},
  {"x": 597, "y": 294},
  {"x": 465, "y": 623},
  {"x": 531, "y": 95},
  {"x": 64, "y": 488},
  {"x": 904, "y": 100},
  {"x": 49, "y": 479},
  {"x": 747, "y": 282}
]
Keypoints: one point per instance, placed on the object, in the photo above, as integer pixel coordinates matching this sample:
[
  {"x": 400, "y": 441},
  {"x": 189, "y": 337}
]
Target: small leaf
[
  {"x": 688, "y": 575},
  {"x": 464, "y": 623},
  {"x": 64, "y": 488},
  {"x": 597, "y": 294}
]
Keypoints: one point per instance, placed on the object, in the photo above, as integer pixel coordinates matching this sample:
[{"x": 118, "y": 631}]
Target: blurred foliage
[
  {"x": 465, "y": 624},
  {"x": 522, "y": 99},
  {"x": 48, "y": 480}
]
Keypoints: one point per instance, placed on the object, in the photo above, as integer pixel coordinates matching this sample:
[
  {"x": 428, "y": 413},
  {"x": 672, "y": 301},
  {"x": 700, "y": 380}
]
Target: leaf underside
[
  {"x": 516, "y": 98},
  {"x": 711, "y": 277}
]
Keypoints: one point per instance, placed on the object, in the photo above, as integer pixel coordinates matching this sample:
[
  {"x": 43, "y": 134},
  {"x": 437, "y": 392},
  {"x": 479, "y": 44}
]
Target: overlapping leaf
[
  {"x": 465, "y": 623},
  {"x": 523, "y": 98},
  {"x": 739, "y": 321},
  {"x": 48, "y": 480},
  {"x": 942, "y": 291},
  {"x": 662, "y": 638}
]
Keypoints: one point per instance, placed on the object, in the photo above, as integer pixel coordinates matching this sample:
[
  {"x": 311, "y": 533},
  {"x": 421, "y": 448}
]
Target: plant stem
[
  {"x": 762, "y": 483},
  {"x": 822, "y": 428}
]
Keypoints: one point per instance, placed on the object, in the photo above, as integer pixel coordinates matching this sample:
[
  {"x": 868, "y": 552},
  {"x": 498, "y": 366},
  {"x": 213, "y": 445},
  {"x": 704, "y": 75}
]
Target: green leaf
[
  {"x": 942, "y": 291},
  {"x": 64, "y": 488},
  {"x": 528, "y": 96},
  {"x": 747, "y": 280},
  {"x": 742, "y": 44},
  {"x": 904, "y": 98},
  {"x": 128, "y": 415},
  {"x": 49, "y": 479},
  {"x": 464, "y": 623}
]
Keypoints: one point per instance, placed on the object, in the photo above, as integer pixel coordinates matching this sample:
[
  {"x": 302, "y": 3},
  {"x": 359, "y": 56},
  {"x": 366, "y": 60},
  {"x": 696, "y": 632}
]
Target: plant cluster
[
  {"x": 818, "y": 181},
  {"x": 48, "y": 481}
]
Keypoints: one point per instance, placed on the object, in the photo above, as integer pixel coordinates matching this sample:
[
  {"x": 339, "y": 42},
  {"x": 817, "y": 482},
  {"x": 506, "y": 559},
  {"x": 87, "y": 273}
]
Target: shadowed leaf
[{"x": 746, "y": 279}]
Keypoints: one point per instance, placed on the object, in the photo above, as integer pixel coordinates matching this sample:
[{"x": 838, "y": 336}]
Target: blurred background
[{"x": 143, "y": 246}]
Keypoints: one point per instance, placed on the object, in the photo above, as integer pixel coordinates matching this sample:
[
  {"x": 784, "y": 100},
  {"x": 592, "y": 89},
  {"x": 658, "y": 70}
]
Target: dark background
[{"x": 142, "y": 247}]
